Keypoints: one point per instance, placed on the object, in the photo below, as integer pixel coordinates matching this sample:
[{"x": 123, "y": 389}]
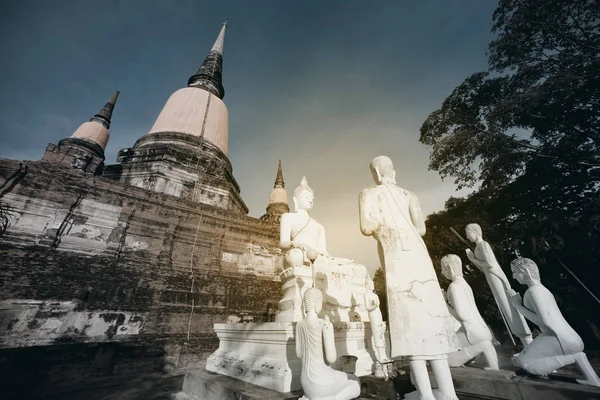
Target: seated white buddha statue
[
  {"x": 341, "y": 280},
  {"x": 315, "y": 343}
]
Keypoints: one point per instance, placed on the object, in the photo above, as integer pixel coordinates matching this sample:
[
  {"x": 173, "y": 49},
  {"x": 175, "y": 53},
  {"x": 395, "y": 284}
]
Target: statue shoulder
[
  {"x": 369, "y": 193},
  {"x": 406, "y": 193},
  {"x": 409, "y": 194},
  {"x": 485, "y": 249},
  {"x": 454, "y": 288},
  {"x": 538, "y": 292},
  {"x": 287, "y": 217}
]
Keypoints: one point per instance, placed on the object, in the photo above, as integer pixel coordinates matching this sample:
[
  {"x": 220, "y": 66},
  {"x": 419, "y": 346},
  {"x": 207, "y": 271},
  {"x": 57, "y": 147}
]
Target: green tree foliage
[{"x": 526, "y": 131}]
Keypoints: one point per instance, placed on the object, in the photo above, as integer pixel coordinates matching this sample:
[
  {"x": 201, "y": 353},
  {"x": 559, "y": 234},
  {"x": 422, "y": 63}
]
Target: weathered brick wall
[{"x": 112, "y": 280}]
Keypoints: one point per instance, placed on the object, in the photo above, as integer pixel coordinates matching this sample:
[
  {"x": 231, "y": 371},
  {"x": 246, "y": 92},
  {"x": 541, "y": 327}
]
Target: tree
[
  {"x": 526, "y": 132},
  {"x": 539, "y": 100}
]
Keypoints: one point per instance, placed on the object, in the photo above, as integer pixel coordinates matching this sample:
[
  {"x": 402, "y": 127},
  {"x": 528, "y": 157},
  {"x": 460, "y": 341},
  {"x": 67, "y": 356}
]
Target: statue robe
[
  {"x": 318, "y": 379},
  {"x": 495, "y": 277},
  {"x": 419, "y": 321}
]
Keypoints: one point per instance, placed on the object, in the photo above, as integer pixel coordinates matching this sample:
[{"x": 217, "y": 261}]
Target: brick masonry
[{"x": 100, "y": 280}]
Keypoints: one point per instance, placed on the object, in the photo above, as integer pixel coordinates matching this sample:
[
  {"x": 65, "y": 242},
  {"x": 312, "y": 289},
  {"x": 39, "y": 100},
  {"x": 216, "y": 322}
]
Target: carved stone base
[
  {"x": 265, "y": 354},
  {"x": 296, "y": 280}
]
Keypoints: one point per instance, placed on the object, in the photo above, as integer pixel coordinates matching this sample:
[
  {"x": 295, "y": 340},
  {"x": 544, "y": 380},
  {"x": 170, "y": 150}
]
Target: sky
[{"x": 325, "y": 86}]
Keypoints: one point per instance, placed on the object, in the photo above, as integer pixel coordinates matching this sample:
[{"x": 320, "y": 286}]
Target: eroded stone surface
[{"x": 101, "y": 250}]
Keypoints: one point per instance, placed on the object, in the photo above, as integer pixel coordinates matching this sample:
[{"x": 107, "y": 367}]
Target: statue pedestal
[
  {"x": 265, "y": 354},
  {"x": 343, "y": 294}
]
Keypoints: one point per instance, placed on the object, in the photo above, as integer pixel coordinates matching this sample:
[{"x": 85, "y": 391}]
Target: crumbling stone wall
[{"x": 112, "y": 280}]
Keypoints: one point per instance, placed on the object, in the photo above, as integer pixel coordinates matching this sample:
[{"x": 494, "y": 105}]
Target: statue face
[
  {"x": 305, "y": 200},
  {"x": 375, "y": 174},
  {"x": 472, "y": 236},
  {"x": 446, "y": 271},
  {"x": 519, "y": 275}
]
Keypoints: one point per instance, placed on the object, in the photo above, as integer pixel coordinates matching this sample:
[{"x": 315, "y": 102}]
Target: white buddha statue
[
  {"x": 420, "y": 325},
  {"x": 315, "y": 344},
  {"x": 558, "y": 344},
  {"x": 484, "y": 259},
  {"x": 340, "y": 279},
  {"x": 474, "y": 335}
]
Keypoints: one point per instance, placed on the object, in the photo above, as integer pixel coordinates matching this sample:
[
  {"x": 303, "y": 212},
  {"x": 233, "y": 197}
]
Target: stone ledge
[
  {"x": 203, "y": 385},
  {"x": 507, "y": 385}
]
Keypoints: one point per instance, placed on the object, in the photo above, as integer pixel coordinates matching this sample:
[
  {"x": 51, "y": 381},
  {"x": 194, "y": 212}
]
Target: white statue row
[{"x": 421, "y": 315}]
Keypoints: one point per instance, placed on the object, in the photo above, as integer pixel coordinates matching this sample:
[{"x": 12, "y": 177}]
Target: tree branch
[
  {"x": 578, "y": 25},
  {"x": 569, "y": 38},
  {"x": 537, "y": 150}
]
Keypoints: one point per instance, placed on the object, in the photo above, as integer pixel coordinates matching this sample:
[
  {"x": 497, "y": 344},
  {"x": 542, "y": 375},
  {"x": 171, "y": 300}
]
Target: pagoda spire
[
  {"x": 105, "y": 114},
  {"x": 279, "y": 183},
  {"x": 210, "y": 74},
  {"x": 278, "y": 201}
]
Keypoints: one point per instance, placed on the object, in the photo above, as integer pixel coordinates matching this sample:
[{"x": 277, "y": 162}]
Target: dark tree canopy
[
  {"x": 538, "y": 102},
  {"x": 526, "y": 134}
]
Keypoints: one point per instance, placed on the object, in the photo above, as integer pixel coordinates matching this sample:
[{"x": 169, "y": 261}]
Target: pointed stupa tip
[
  {"x": 218, "y": 46},
  {"x": 105, "y": 115},
  {"x": 279, "y": 183},
  {"x": 210, "y": 74}
]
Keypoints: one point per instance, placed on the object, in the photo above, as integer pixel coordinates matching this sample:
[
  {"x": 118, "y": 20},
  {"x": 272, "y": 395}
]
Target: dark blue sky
[{"x": 323, "y": 85}]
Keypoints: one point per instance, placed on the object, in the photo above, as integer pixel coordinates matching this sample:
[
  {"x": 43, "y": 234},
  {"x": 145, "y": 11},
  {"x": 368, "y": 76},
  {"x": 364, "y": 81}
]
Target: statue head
[
  {"x": 312, "y": 300},
  {"x": 451, "y": 266},
  {"x": 525, "y": 270},
  {"x": 303, "y": 196},
  {"x": 369, "y": 284},
  {"x": 473, "y": 232},
  {"x": 382, "y": 169}
]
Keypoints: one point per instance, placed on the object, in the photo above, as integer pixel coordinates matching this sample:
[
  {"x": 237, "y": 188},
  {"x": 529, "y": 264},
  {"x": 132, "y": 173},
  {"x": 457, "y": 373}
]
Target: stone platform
[
  {"x": 471, "y": 382},
  {"x": 265, "y": 354},
  {"x": 204, "y": 385},
  {"x": 478, "y": 383},
  {"x": 515, "y": 384}
]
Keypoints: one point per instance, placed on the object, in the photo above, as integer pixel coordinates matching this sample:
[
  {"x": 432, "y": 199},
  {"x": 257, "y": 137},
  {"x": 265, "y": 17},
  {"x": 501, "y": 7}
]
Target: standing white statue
[
  {"x": 558, "y": 344},
  {"x": 340, "y": 279},
  {"x": 483, "y": 258},
  {"x": 419, "y": 322},
  {"x": 378, "y": 328},
  {"x": 474, "y": 335},
  {"x": 313, "y": 335}
]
